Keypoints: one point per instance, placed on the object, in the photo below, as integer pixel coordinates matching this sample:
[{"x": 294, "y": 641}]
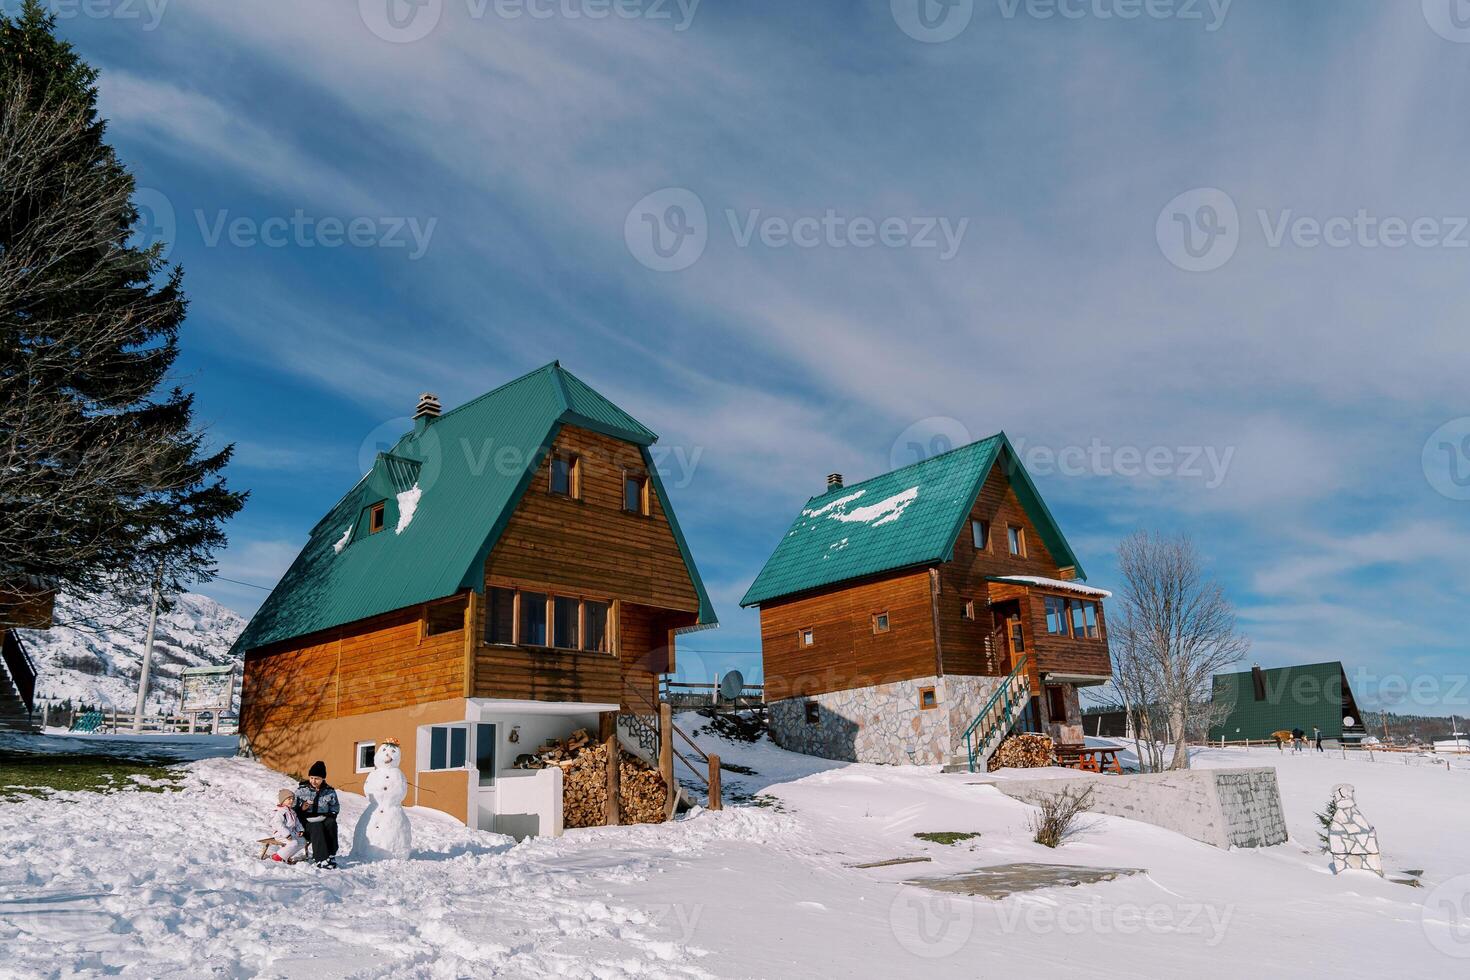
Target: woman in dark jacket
[{"x": 316, "y": 805}]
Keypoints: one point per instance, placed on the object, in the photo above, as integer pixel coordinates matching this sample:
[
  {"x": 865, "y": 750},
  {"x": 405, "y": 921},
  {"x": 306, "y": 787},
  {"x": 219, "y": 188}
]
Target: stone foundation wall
[
  {"x": 883, "y": 724},
  {"x": 1222, "y": 807}
]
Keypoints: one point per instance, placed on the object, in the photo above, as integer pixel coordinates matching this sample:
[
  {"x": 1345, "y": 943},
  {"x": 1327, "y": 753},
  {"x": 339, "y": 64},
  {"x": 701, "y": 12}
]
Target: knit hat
[
  {"x": 285, "y": 796},
  {"x": 318, "y": 768}
]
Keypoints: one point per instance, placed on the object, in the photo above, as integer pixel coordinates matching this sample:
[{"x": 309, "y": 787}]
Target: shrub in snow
[{"x": 1055, "y": 821}]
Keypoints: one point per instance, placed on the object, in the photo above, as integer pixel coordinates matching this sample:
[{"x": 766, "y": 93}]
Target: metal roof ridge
[{"x": 908, "y": 466}]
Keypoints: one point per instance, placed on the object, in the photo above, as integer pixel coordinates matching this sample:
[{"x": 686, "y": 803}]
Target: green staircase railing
[{"x": 1000, "y": 713}]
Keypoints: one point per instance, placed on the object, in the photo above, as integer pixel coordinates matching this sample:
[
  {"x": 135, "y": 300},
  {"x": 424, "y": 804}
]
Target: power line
[{"x": 235, "y": 581}]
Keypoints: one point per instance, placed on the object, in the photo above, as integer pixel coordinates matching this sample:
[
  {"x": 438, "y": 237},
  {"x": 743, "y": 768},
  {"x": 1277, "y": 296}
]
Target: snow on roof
[
  {"x": 837, "y": 504},
  {"x": 883, "y": 512},
  {"x": 1053, "y": 583},
  {"x": 408, "y": 502},
  {"x": 342, "y": 541}
]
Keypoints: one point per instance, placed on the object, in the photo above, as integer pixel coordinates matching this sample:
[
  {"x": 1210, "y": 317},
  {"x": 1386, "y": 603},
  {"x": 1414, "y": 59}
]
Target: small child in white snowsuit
[{"x": 286, "y": 827}]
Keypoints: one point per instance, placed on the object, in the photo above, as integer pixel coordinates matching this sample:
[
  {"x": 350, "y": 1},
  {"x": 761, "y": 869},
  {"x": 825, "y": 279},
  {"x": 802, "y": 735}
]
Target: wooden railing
[
  {"x": 999, "y": 714},
  {"x": 667, "y": 753},
  {"x": 22, "y": 669}
]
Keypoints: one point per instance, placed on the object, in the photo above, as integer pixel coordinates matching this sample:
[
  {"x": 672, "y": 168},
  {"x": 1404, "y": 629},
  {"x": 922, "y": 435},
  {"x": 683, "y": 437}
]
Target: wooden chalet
[
  {"x": 918, "y": 616},
  {"x": 508, "y": 572}
]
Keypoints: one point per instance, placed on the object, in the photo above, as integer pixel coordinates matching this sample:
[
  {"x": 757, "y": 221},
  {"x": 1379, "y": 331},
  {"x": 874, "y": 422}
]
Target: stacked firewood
[
  {"x": 1023, "y": 751},
  {"x": 583, "y": 762}
]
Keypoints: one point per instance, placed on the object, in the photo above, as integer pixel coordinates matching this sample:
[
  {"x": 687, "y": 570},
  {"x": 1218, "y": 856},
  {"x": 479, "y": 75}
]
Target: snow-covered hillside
[{"x": 98, "y": 666}]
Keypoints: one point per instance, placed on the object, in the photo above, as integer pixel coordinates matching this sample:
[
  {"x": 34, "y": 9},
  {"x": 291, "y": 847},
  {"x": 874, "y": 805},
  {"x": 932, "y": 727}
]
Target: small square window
[
  {"x": 375, "y": 518},
  {"x": 880, "y": 622},
  {"x": 635, "y": 493},
  {"x": 813, "y": 712},
  {"x": 928, "y": 700},
  {"x": 365, "y": 751},
  {"x": 980, "y": 535},
  {"x": 1018, "y": 541},
  {"x": 807, "y": 637},
  {"x": 564, "y": 475}
]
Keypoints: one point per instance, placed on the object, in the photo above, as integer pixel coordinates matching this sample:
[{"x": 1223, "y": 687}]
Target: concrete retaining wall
[{"x": 1221, "y": 807}]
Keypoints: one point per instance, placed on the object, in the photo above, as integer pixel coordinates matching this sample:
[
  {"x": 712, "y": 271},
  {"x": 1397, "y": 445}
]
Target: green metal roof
[
  {"x": 1295, "y": 697},
  {"x": 471, "y": 466},
  {"x": 911, "y": 516}
]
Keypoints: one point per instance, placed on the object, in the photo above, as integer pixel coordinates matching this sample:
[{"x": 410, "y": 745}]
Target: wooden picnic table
[{"x": 1089, "y": 758}]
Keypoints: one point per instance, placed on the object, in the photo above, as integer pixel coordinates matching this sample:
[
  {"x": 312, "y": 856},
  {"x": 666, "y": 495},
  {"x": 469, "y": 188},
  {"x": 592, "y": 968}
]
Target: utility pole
[{"x": 148, "y": 651}]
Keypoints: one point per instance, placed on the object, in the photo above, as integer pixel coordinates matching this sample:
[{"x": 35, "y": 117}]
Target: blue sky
[{"x": 1290, "y": 375}]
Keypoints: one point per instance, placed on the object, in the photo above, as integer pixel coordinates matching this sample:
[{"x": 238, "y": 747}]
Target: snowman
[{"x": 383, "y": 830}]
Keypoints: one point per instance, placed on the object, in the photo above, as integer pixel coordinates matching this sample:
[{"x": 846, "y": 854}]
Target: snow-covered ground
[
  {"x": 169, "y": 886},
  {"x": 98, "y": 665}
]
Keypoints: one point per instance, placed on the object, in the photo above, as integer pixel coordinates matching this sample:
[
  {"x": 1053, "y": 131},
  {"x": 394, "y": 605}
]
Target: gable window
[
  {"x": 448, "y": 747},
  {"x": 500, "y": 615},
  {"x": 969, "y": 611},
  {"x": 444, "y": 617},
  {"x": 533, "y": 619},
  {"x": 364, "y": 753},
  {"x": 635, "y": 493},
  {"x": 1056, "y": 615},
  {"x": 1017, "y": 540},
  {"x": 566, "y": 620},
  {"x": 564, "y": 475},
  {"x": 880, "y": 622},
  {"x": 594, "y": 636},
  {"x": 813, "y": 712},
  {"x": 928, "y": 700},
  {"x": 375, "y": 518},
  {"x": 807, "y": 637},
  {"x": 980, "y": 535}
]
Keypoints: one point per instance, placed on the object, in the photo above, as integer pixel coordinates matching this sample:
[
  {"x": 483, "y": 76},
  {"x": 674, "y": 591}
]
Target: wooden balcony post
[
  {"x": 666, "y": 754},
  {"x": 715, "y": 802},
  {"x": 611, "y": 813}
]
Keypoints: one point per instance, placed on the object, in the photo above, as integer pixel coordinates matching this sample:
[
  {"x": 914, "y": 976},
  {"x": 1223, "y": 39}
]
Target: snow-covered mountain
[{"x": 98, "y": 666}]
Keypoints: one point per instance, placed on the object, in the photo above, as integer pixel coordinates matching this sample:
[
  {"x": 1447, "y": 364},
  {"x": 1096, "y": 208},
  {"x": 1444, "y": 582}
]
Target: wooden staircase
[
  {"x": 995, "y": 721},
  {"x": 17, "y": 685}
]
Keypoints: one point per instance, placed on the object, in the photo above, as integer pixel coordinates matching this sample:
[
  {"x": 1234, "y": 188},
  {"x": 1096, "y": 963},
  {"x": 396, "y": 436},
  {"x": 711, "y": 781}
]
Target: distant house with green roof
[
  {"x": 507, "y": 572},
  {"x": 920, "y": 615},
  {"x": 1258, "y": 702}
]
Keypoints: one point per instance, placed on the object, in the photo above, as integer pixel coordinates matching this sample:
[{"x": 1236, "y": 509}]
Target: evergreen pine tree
[{"x": 105, "y": 483}]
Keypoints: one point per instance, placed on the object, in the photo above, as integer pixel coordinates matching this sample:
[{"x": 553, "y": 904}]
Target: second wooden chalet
[
  {"x": 507, "y": 572},
  {"x": 919, "y": 616}
]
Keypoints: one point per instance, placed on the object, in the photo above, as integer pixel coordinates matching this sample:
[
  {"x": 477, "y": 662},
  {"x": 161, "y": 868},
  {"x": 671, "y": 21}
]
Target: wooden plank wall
[
  {"x": 591, "y": 545},
  {"x": 846, "y": 653},
  {"x": 963, "y": 579},
  {"x": 376, "y": 664}
]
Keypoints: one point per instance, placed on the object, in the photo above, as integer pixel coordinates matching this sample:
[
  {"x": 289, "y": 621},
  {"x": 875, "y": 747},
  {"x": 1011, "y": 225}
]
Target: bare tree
[{"x": 1172, "y": 630}]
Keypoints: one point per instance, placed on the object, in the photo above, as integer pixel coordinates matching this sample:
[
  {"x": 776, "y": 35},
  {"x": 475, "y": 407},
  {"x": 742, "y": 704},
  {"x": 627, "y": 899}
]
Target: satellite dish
[
  {"x": 1348, "y": 722},
  {"x": 731, "y": 685}
]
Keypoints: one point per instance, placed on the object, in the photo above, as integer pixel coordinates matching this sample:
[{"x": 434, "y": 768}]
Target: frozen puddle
[{"x": 1012, "y": 879}]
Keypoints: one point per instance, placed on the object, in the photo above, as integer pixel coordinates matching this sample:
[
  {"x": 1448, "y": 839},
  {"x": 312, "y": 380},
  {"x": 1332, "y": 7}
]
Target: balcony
[{"x": 1060, "y": 623}]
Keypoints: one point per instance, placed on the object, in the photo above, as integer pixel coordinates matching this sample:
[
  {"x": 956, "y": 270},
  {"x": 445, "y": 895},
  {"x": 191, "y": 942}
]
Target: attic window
[
  {"x": 375, "y": 518},
  {"x": 1017, "y": 540},
  {"x": 980, "y": 535},
  {"x": 635, "y": 493},
  {"x": 564, "y": 475}
]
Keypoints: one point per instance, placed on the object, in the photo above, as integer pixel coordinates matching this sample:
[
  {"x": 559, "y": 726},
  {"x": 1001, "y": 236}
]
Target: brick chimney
[{"x": 834, "y": 481}]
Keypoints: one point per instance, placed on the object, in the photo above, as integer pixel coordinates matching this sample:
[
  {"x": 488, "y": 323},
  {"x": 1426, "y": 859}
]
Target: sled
[{"x": 265, "y": 850}]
